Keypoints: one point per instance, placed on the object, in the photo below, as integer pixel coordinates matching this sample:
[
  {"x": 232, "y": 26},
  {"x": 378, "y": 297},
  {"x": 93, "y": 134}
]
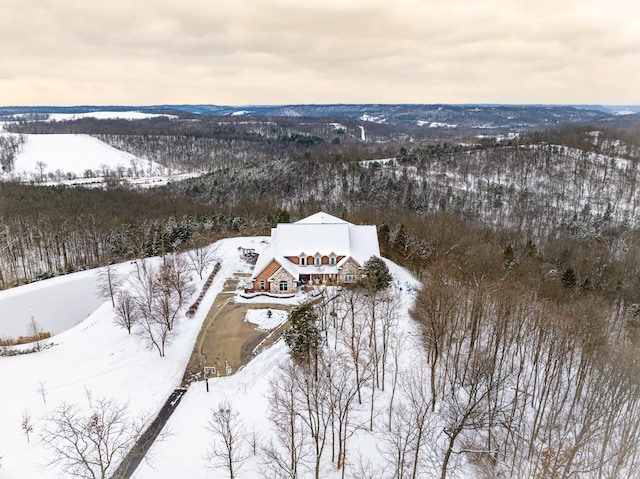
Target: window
[
  {"x": 284, "y": 286},
  {"x": 318, "y": 260},
  {"x": 349, "y": 278},
  {"x": 303, "y": 260},
  {"x": 332, "y": 260},
  {"x": 262, "y": 285}
]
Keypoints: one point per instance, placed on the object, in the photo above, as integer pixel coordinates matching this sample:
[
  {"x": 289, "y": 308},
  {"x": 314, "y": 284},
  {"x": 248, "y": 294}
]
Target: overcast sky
[{"x": 239, "y": 52}]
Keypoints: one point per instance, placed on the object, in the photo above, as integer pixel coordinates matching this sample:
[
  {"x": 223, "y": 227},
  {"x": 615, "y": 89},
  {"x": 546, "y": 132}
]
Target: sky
[{"x": 248, "y": 52}]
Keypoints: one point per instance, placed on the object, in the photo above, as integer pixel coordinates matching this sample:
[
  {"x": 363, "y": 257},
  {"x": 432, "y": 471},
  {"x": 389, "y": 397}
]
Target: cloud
[{"x": 284, "y": 51}]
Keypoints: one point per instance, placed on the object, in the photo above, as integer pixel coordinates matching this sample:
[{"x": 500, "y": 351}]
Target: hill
[{"x": 478, "y": 116}]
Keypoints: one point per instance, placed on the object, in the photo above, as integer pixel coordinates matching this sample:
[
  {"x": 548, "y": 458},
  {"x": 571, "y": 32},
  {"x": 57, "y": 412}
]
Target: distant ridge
[{"x": 423, "y": 115}]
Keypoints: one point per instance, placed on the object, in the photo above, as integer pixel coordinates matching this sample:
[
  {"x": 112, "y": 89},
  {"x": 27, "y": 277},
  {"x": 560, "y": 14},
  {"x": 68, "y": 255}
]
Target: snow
[
  {"x": 264, "y": 321},
  {"x": 70, "y": 153},
  {"x": 295, "y": 238},
  {"x": 373, "y": 119},
  {"x": 74, "y": 154},
  {"x": 435, "y": 124},
  {"x": 363, "y": 137},
  {"x": 107, "y": 115},
  {"x": 319, "y": 233},
  {"x": 623, "y": 112},
  {"x": 98, "y": 356},
  {"x": 183, "y": 453},
  {"x": 321, "y": 218},
  {"x": 57, "y": 304}
]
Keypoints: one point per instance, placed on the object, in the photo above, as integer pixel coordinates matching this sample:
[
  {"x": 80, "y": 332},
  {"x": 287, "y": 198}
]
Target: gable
[
  {"x": 321, "y": 218},
  {"x": 268, "y": 270}
]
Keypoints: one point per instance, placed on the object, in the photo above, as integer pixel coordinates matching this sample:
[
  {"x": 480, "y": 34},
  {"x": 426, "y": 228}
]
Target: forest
[{"x": 527, "y": 247}]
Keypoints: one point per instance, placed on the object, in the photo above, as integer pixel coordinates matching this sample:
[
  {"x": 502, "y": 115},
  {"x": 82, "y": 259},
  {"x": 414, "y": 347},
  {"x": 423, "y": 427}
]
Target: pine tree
[
  {"x": 303, "y": 336},
  {"x": 376, "y": 274}
]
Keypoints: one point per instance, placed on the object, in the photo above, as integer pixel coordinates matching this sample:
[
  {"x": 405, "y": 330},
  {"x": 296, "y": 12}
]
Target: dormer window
[
  {"x": 332, "y": 260},
  {"x": 317, "y": 260},
  {"x": 303, "y": 259}
]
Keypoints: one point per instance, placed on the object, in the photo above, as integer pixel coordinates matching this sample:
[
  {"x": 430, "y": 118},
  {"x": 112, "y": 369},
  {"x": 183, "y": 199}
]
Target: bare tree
[
  {"x": 174, "y": 273},
  {"x": 167, "y": 297},
  {"x": 89, "y": 445},
  {"x": 418, "y": 407},
  {"x": 26, "y": 424},
  {"x": 342, "y": 393},
  {"x": 108, "y": 284},
  {"x": 230, "y": 433},
  {"x": 201, "y": 258},
  {"x": 35, "y": 331},
  {"x": 156, "y": 307},
  {"x": 89, "y": 394},
  {"x": 125, "y": 313},
  {"x": 42, "y": 389},
  {"x": 435, "y": 310},
  {"x": 286, "y": 456},
  {"x": 41, "y": 166},
  {"x": 466, "y": 407},
  {"x": 396, "y": 443}
]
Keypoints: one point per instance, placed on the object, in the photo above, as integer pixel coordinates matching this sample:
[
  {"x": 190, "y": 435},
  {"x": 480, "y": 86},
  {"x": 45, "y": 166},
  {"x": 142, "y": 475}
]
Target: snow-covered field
[
  {"x": 100, "y": 115},
  {"x": 96, "y": 356},
  {"x": 78, "y": 155},
  {"x": 107, "y": 115}
]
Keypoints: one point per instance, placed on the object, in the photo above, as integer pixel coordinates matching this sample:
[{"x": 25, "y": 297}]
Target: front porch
[{"x": 318, "y": 279}]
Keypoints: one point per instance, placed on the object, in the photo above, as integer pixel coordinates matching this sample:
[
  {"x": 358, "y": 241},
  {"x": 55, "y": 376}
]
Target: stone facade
[
  {"x": 279, "y": 276},
  {"x": 350, "y": 267}
]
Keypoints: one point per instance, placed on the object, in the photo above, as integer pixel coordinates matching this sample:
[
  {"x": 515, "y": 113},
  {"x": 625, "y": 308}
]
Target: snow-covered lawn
[
  {"x": 97, "y": 356},
  {"x": 184, "y": 452},
  {"x": 266, "y": 319}
]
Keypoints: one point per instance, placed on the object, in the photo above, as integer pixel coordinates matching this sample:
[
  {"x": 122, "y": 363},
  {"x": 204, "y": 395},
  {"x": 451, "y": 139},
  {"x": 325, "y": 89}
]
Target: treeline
[
  {"x": 45, "y": 231},
  {"x": 10, "y": 146},
  {"x": 529, "y": 386},
  {"x": 540, "y": 190},
  {"x": 541, "y": 194},
  {"x": 622, "y": 140},
  {"x": 532, "y": 354},
  {"x": 525, "y": 372},
  {"x": 530, "y": 362},
  {"x": 225, "y": 128}
]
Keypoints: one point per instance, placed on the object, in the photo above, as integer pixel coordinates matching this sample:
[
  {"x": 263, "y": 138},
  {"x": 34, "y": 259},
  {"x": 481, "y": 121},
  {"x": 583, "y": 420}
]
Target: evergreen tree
[
  {"x": 303, "y": 336},
  {"x": 569, "y": 278},
  {"x": 376, "y": 274}
]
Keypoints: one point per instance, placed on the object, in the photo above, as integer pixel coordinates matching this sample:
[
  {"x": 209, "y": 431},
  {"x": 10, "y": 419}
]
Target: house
[{"x": 319, "y": 249}]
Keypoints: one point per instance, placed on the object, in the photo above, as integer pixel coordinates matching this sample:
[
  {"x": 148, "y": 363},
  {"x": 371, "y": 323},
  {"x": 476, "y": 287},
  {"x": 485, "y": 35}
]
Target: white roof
[
  {"x": 319, "y": 234},
  {"x": 321, "y": 218},
  {"x": 296, "y": 238}
]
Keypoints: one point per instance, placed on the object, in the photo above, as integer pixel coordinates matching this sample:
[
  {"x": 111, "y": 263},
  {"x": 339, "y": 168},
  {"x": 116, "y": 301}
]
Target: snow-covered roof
[
  {"x": 322, "y": 234},
  {"x": 321, "y": 218},
  {"x": 296, "y": 238}
]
